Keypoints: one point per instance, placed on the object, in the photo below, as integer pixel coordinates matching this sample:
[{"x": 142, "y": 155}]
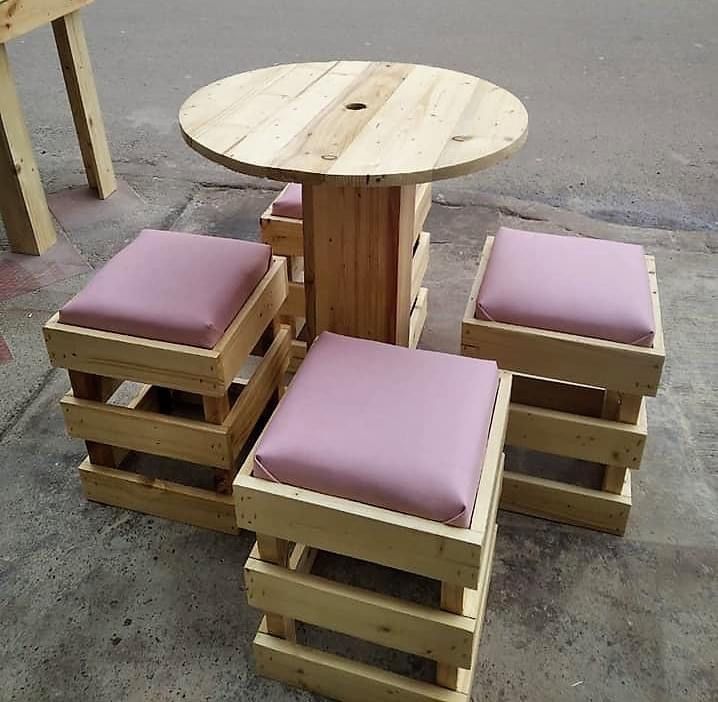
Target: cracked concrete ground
[{"x": 97, "y": 603}]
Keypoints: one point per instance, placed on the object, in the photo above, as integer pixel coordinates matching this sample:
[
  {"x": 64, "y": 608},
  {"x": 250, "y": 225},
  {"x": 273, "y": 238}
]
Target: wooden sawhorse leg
[
  {"x": 85, "y": 105},
  {"x": 22, "y": 199}
]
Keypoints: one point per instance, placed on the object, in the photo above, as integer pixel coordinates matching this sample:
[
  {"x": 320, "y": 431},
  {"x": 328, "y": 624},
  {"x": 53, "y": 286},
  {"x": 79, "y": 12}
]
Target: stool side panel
[{"x": 370, "y": 616}]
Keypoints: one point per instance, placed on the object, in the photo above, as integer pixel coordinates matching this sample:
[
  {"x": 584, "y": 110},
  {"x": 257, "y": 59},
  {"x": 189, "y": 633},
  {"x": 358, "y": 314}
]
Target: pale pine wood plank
[
  {"x": 22, "y": 199},
  {"x": 340, "y": 678},
  {"x": 147, "y": 432},
  {"x": 574, "y": 436},
  {"x": 161, "y": 498},
  {"x": 420, "y": 263},
  {"x": 418, "y": 317},
  {"x": 82, "y": 93},
  {"x": 98, "y": 389},
  {"x": 569, "y": 504},
  {"x": 22, "y": 16}
]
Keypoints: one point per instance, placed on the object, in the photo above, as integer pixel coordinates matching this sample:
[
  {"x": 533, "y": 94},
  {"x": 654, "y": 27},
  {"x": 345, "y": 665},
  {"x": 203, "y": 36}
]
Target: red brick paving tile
[
  {"x": 5, "y": 354},
  {"x": 20, "y": 274}
]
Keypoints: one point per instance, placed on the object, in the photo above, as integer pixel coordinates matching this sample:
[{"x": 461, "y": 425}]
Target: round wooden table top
[{"x": 355, "y": 123}]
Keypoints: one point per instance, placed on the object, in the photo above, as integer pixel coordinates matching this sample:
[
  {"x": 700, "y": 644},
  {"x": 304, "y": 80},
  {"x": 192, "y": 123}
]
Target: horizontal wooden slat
[
  {"x": 418, "y": 317},
  {"x": 574, "y": 436},
  {"x": 551, "y": 394},
  {"x": 161, "y": 498},
  {"x": 131, "y": 358},
  {"x": 419, "y": 264},
  {"x": 561, "y": 502},
  {"x": 147, "y": 432},
  {"x": 367, "y": 615},
  {"x": 252, "y": 321},
  {"x": 421, "y": 208},
  {"x": 340, "y": 678},
  {"x": 265, "y": 381},
  {"x": 17, "y": 17}
]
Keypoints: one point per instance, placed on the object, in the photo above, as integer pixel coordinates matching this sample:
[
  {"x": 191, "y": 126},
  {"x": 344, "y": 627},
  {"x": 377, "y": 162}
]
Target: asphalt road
[{"x": 621, "y": 94}]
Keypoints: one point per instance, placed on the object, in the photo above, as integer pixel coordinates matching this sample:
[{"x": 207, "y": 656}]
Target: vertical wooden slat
[
  {"x": 357, "y": 260},
  {"x": 86, "y": 386},
  {"x": 624, "y": 408},
  {"x": 85, "y": 105},
  {"x": 216, "y": 410},
  {"x": 277, "y": 551},
  {"x": 22, "y": 199}
]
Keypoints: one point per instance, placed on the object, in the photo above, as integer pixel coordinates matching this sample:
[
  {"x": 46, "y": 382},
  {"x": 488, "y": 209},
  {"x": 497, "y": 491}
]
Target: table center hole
[{"x": 356, "y": 106}]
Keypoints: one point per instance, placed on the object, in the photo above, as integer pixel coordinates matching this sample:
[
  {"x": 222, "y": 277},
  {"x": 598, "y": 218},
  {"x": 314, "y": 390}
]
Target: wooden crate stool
[
  {"x": 281, "y": 228},
  {"x": 181, "y": 314},
  {"x": 578, "y": 322},
  {"x": 22, "y": 199},
  {"x": 391, "y": 456}
]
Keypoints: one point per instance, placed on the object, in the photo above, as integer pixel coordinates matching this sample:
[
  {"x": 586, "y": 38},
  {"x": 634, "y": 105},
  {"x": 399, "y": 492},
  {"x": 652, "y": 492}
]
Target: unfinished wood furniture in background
[
  {"x": 23, "y": 205},
  {"x": 285, "y": 235},
  {"x": 574, "y": 396},
  {"x": 294, "y": 522},
  {"x": 359, "y": 136},
  {"x": 191, "y": 405}
]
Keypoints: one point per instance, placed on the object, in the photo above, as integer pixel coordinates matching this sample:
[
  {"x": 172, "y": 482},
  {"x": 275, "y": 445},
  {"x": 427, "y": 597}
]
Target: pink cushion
[
  {"x": 568, "y": 284},
  {"x": 384, "y": 425},
  {"x": 170, "y": 286},
  {"x": 289, "y": 202}
]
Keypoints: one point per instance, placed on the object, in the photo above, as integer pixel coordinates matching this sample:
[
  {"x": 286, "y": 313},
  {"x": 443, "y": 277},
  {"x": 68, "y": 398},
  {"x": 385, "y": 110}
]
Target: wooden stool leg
[
  {"x": 357, "y": 260},
  {"x": 216, "y": 410},
  {"x": 452, "y": 600},
  {"x": 277, "y": 551},
  {"x": 624, "y": 408},
  {"x": 22, "y": 199},
  {"x": 87, "y": 386},
  {"x": 85, "y": 105}
]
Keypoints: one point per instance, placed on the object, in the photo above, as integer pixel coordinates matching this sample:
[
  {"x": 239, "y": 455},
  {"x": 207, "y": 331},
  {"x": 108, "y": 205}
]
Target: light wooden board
[
  {"x": 354, "y": 123},
  {"x": 560, "y": 356},
  {"x": 148, "y": 432},
  {"x": 420, "y": 263},
  {"x": 340, "y": 678},
  {"x": 252, "y": 320},
  {"x": 82, "y": 93},
  {"x": 551, "y": 394},
  {"x": 367, "y": 615},
  {"x": 161, "y": 498},
  {"x": 574, "y": 436},
  {"x": 418, "y": 317},
  {"x": 357, "y": 261},
  {"x": 265, "y": 382},
  {"x": 17, "y": 17},
  {"x": 23, "y": 204},
  {"x": 570, "y": 504}
]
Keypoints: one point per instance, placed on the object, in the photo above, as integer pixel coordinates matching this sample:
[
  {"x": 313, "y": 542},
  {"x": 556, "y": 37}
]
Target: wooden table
[
  {"x": 359, "y": 136},
  {"x": 22, "y": 199}
]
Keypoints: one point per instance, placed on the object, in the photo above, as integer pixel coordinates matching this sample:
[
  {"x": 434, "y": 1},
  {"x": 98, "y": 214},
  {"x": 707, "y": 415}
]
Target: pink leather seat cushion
[
  {"x": 171, "y": 286},
  {"x": 587, "y": 287},
  {"x": 289, "y": 202},
  {"x": 384, "y": 425}
]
